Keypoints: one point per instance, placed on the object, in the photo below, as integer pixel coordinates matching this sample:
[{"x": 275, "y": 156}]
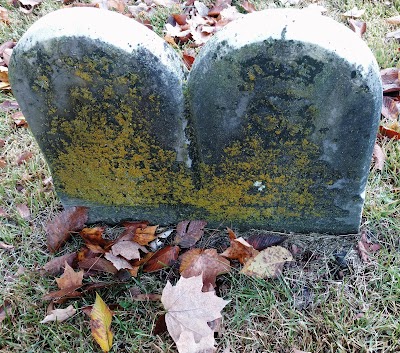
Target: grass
[{"x": 322, "y": 303}]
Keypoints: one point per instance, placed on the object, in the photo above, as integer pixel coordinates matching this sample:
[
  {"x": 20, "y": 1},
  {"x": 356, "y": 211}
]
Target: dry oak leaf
[
  {"x": 58, "y": 230},
  {"x": 100, "y": 324},
  {"x": 207, "y": 263},
  {"x": 128, "y": 249},
  {"x": 59, "y": 315},
  {"x": 240, "y": 250},
  {"x": 70, "y": 278},
  {"x": 268, "y": 263},
  {"x": 189, "y": 310},
  {"x": 189, "y": 232},
  {"x": 68, "y": 283}
]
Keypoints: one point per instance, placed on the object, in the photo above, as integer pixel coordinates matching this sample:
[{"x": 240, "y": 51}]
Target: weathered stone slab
[
  {"x": 282, "y": 112},
  {"x": 103, "y": 97},
  {"x": 285, "y": 105}
]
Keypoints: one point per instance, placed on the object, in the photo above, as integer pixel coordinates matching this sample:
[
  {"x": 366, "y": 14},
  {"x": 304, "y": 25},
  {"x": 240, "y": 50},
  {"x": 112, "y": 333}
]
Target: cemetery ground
[{"x": 336, "y": 296}]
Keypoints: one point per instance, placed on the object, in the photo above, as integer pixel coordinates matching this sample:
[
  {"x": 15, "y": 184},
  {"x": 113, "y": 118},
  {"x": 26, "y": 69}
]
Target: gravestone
[{"x": 273, "y": 128}]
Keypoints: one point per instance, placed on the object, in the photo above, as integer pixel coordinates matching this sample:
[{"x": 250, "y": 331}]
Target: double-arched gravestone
[{"x": 273, "y": 127}]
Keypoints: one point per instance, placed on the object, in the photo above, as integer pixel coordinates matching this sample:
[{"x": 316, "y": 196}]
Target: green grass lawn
[{"x": 327, "y": 300}]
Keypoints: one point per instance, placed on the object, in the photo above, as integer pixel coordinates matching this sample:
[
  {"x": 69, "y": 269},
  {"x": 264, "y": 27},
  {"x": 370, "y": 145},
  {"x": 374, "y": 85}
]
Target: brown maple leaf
[
  {"x": 68, "y": 283},
  {"x": 207, "y": 263},
  {"x": 188, "y": 312}
]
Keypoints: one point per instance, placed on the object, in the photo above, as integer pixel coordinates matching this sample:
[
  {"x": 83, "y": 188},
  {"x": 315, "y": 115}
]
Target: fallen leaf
[
  {"x": 188, "y": 59},
  {"x": 62, "y": 294},
  {"x": 19, "y": 119},
  {"x": 6, "y": 246},
  {"x": 5, "y": 310},
  {"x": 128, "y": 249},
  {"x": 140, "y": 297},
  {"x": 215, "y": 11},
  {"x": 188, "y": 312},
  {"x": 394, "y": 34},
  {"x": 268, "y": 263},
  {"x": 130, "y": 230},
  {"x": 162, "y": 258},
  {"x": 23, "y": 211},
  {"x": 94, "y": 240},
  {"x": 59, "y": 229},
  {"x": 70, "y": 278},
  {"x": 179, "y": 18},
  {"x": 394, "y": 20},
  {"x": 390, "y": 108},
  {"x": 239, "y": 250},
  {"x": 97, "y": 264},
  {"x": 207, "y": 263},
  {"x": 7, "y": 56},
  {"x": 143, "y": 236},
  {"x": 160, "y": 327},
  {"x": 262, "y": 241},
  {"x": 189, "y": 232},
  {"x": 354, "y": 12},
  {"x": 24, "y": 157},
  {"x": 359, "y": 27},
  {"x": 118, "y": 262},
  {"x": 27, "y": 6},
  {"x": 202, "y": 9},
  {"x": 366, "y": 247},
  {"x": 4, "y": 15},
  {"x": 390, "y": 79},
  {"x": 3, "y": 162},
  {"x": 378, "y": 157},
  {"x": 9, "y": 105},
  {"x": 59, "y": 315},
  {"x": 4, "y": 74},
  {"x": 56, "y": 265},
  {"x": 248, "y": 6},
  {"x": 100, "y": 324},
  {"x": 392, "y": 131}
]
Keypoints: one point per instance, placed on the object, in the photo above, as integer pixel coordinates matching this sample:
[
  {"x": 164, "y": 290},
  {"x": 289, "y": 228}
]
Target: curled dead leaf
[
  {"x": 59, "y": 315},
  {"x": 359, "y": 27},
  {"x": 268, "y": 263}
]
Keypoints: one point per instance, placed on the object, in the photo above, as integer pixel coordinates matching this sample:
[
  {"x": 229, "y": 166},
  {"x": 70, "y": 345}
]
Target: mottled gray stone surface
[
  {"x": 281, "y": 114},
  {"x": 289, "y": 111}
]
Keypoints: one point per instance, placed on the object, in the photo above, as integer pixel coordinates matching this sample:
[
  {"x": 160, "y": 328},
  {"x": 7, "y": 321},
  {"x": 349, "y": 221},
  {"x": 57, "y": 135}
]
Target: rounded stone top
[
  {"x": 97, "y": 24},
  {"x": 293, "y": 25}
]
